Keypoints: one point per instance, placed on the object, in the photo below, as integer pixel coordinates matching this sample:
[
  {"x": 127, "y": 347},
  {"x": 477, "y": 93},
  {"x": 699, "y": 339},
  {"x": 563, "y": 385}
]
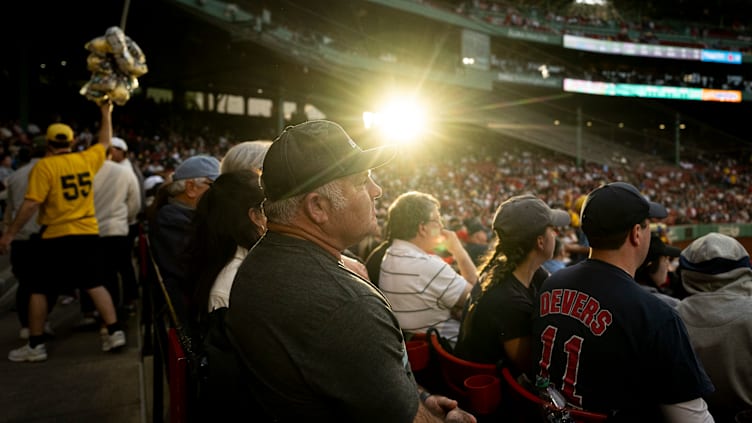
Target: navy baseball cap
[
  {"x": 616, "y": 207},
  {"x": 312, "y": 154}
]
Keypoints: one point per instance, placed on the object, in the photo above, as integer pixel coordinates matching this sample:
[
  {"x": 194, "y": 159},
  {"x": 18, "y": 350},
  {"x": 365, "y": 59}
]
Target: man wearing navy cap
[
  {"x": 608, "y": 345},
  {"x": 322, "y": 342}
]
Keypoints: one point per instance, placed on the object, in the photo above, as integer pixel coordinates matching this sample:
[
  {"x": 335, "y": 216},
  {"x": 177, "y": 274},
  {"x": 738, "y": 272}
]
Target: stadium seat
[
  {"x": 418, "y": 352},
  {"x": 579, "y": 416},
  {"x": 454, "y": 371},
  {"x": 173, "y": 355},
  {"x": 177, "y": 366}
]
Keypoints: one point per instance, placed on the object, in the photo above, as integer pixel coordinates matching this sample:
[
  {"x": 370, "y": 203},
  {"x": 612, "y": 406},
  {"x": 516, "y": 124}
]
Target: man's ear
[
  {"x": 316, "y": 207},
  {"x": 635, "y": 235},
  {"x": 257, "y": 217},
  {"x": 423, "y": 230}
]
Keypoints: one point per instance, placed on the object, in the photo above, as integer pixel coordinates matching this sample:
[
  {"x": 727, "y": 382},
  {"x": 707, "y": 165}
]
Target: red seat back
[
  {"x": 177, "y": 367},
  {"x": 580, "y": 416},
  {"x": 455, "y": 370}
]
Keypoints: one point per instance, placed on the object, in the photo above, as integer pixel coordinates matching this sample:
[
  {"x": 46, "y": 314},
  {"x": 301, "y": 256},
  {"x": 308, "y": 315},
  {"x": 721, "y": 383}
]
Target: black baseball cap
[
  {"x": 658, "y": 248},
  {"x": 616, "y": 207},
  {"x": 306, "y": 156}
]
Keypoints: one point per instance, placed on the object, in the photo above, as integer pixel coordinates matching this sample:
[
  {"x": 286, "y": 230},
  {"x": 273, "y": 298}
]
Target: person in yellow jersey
[{"x": 61, "y": 190}]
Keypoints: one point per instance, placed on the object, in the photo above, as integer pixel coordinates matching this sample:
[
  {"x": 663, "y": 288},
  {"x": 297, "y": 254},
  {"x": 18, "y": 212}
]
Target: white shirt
[
  {"x": 116, "y": 199},
  {"x": 126, "y": 163},
  {"x": 219, "y": 296},
  {"x": 422, "y": 289}
]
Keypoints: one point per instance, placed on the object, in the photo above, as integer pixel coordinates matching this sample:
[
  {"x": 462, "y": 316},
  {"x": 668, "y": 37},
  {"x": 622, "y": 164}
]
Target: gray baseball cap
[{"x": 526, "y": 216}]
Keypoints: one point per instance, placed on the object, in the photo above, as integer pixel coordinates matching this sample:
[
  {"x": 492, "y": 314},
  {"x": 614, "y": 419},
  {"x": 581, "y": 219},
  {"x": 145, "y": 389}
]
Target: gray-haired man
[{"x": 322, "y": 341}]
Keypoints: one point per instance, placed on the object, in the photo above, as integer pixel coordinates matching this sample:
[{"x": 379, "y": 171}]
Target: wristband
[{"x": 424, "y": 396}]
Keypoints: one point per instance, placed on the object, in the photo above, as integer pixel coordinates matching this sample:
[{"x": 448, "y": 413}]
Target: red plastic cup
[
  {"x": 417, "y": 354},
  {"x": 484, "y": 393}
]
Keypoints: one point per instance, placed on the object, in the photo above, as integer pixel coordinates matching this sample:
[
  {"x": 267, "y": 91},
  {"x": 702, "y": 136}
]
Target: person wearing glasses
[
  {"x": 170, "y": 230},
  {"x": 424, "y": 290}
]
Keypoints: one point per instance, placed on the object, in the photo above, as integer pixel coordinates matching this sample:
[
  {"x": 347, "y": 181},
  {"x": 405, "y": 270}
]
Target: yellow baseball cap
[{"x": 59, "y": 132}]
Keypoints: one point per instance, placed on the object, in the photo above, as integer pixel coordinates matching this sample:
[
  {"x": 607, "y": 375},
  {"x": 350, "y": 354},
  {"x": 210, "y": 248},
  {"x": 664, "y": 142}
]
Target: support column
[
  {"x": 677, "y": 142},
  {"x": 279, "y": 106},
  {"x": 579, "y": 136}
]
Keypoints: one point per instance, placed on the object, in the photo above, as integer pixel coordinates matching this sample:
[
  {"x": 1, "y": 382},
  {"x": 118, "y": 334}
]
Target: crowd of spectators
[
  {"x": 606, "y": 22},
  {"x": 706, "y": 191},
  {"x": 472, "y": 177}
]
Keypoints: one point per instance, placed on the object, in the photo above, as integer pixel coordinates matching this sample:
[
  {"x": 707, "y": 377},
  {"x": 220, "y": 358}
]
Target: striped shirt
[{"x": 422, "y": 289}]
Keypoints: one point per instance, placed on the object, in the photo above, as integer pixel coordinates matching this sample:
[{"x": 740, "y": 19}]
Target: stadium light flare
[{"x": 399, "y": 120}]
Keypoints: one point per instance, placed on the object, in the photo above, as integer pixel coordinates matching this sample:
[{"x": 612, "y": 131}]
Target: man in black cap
[
  {"x": 608, "y": 345},
  {"x": 321, "y": 342}
]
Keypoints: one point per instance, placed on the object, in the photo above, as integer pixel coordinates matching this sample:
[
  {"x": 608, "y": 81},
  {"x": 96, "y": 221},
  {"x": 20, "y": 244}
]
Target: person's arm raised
[
  {"x": 105, "y": 128},
  {"x": 462, "y": 258}
]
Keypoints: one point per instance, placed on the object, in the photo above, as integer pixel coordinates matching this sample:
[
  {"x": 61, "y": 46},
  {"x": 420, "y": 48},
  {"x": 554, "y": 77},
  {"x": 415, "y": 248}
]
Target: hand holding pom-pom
[{"x": 116, "y": 62}]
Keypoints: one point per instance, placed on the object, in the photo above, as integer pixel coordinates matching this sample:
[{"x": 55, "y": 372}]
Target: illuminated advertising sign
[
  {"x": 651, "y": 91},
  {"x": 651, "y": 50}
]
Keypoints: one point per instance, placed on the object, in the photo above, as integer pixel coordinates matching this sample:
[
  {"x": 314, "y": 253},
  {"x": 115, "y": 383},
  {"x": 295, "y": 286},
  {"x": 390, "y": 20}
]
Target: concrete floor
[{"x": 78, "y": 382}]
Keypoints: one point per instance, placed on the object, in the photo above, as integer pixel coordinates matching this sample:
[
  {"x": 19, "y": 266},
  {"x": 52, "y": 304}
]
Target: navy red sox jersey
[{"x": 610, "y": 346}]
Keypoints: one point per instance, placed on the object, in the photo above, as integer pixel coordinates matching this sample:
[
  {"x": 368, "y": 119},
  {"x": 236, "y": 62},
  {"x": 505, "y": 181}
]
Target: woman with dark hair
[
  {"x": 228, "y": 222},
  {"x": 497, "y": 322}
]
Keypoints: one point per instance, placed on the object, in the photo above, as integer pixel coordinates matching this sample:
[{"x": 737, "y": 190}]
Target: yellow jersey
[{"x": 63, "y": 184}]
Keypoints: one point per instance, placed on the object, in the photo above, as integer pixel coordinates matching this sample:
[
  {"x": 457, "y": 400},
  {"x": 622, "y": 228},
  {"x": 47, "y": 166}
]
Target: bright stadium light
[
  {"x": 369, "y": 119},
  {"x": 399, "y": 120}
]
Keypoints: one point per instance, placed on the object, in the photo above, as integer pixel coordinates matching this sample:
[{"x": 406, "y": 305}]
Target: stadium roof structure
[{"x": 211, "y": 45}]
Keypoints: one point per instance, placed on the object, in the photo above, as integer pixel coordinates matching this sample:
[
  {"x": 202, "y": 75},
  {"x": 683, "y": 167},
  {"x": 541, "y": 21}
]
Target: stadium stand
[{"x": 506, "y": 142}]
